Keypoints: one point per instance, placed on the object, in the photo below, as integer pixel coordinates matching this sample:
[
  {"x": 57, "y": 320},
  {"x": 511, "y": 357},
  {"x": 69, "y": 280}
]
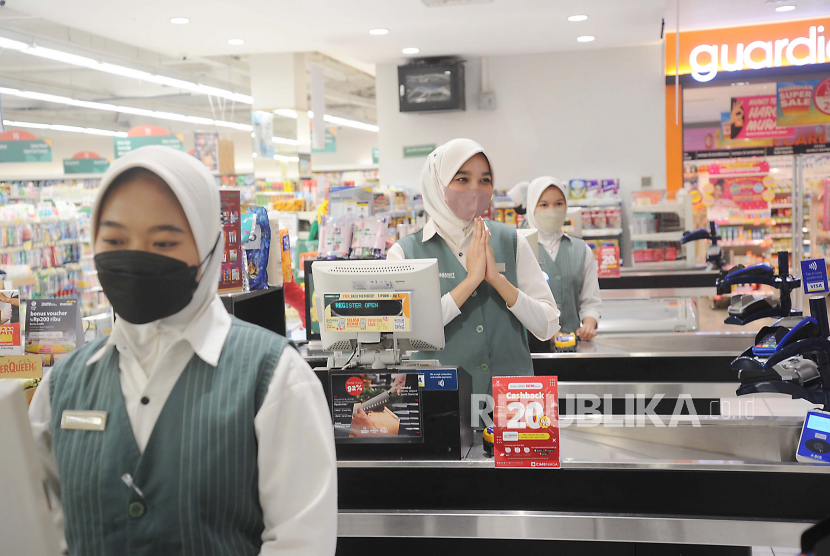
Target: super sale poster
[{"x": 803, "y": 102}]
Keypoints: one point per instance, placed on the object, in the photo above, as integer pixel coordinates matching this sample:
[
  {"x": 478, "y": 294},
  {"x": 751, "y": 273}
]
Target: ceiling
[
  {"x": 341, "y": 26},
  {"x": 334, "y": 32}
]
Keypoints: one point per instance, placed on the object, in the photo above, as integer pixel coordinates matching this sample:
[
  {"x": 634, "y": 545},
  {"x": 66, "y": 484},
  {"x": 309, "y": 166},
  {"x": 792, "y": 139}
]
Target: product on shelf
[
  {"x": 258, "y": 245},
  {"x": 369, "y": 239}
]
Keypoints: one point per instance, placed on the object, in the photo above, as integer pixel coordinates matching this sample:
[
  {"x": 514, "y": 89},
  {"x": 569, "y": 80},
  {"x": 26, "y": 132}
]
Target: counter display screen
[
  {"x": 818, "y": 423},
  {"x": 376, "y": 408},
  {"x": 374, "y": 308}
]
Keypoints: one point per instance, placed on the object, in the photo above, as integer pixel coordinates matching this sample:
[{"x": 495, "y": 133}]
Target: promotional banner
[
  {"x": 608, "y": 261},
  {"x": 10, "y": 343},
  {"x": 743, "y": 192},
  {"x": 263, "y": 123},
  {"x": 22, "y": 146},
  {"x": 230, "y": 278},
  {"x": 376, "y": 407},
  {"x": 803, "y": 102},
  {"x": 143, "y": 136},
  {"x": 367, "y": 312},
  {"x": 526, "y": 421},
  {"x": 85, "y": 162},
  {"x": 755, "y": 118},
  {"x": 54, "y": 329},
  {"x": 206, "y": 147}
]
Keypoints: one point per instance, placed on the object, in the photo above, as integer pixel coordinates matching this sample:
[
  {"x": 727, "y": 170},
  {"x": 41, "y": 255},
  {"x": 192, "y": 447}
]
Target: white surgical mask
[{"x": 550, "y": 220}]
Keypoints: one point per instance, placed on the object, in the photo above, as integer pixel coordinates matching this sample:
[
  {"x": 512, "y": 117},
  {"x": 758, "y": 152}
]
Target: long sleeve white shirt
[
  {"x": 590, "y": 300},
  {"x": 535, "y": 308},
  {"x": 296, "y": 457}
]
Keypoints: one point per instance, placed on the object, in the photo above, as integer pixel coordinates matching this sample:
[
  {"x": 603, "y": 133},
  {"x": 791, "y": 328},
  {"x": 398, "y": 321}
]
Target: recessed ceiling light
[
  {"x": 411, "y": 50},
  {"x": 586, "y": 38},
  {"x": 179, "y": 20},
  {"x": 379, "y": 32},
  {"x": 236, "y": 42},
  {"x": 784, "y": 8},
  {"x": 578, "y": 18}
]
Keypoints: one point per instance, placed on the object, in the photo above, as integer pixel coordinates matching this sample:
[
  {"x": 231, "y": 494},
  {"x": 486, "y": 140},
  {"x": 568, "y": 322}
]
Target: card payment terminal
[{"x": 814, "y": 444}]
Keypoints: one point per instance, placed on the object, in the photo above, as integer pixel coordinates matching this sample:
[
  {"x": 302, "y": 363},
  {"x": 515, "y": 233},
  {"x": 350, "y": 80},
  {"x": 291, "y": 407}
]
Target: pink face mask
[{"x": 467, "y": 205}]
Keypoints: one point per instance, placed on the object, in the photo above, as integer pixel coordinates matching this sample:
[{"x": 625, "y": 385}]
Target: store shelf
[
  {"x": 746, "y": 243},
  {"x": 744, "y": 222},
  {"x": 781, "y": 236},
  {"x": 38, "y": 245},
  {"x": 97, "y": 310},
  {"x": 675, "y": 208},
  {"x": 659, "y": 236},
  {"x": 594, "y": 202},
  {"x": 781, "y": 206},
  {"x": 661, "y": 265},
  {"x": 788, "y": 220},
  {"x": 607, "y": 232}
]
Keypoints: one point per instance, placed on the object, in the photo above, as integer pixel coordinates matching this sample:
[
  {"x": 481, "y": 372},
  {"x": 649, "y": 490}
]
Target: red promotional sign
[
  {"x": 608, "y": 261},
  {"x": 756, "y": 118},
  {"x": 230, "y": 278},
  {"x": 354, "y": 386},
  {"x": 526, "y": 428}
]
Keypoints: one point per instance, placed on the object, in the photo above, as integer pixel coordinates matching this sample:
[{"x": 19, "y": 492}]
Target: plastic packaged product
[
  {"x": 285, "y": 243},
  {"x": 369, "y": 239},
  {"x": 613, "y": 218},
  {"x": 510, "y": 216},
  {"x": 610, "y": 188},
  {"x": 335, "y": 238},
  {"x": 592, "y": 189},
  {"x": 576, "y": 189},
  {"x": 598, "y": 218},
  {"x": 258, "y": 246},
  {"x": 498, "y": 215},
  {"x": 587, "y": 221},
  {"x": 671, "y": 253}
]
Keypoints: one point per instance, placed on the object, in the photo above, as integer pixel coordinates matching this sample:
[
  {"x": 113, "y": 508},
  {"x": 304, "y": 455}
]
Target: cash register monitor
[
  {"x": 368, "y": 301},
  {"x": 26, "y": 526}
]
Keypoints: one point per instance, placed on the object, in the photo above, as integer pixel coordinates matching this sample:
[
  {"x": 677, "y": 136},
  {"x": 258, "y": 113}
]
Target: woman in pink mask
[{"x": 492, "y": 286}]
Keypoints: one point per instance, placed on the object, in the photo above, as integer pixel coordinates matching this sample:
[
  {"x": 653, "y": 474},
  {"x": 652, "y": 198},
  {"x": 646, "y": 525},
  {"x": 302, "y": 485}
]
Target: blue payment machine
[{"x": 814, "y": 444}]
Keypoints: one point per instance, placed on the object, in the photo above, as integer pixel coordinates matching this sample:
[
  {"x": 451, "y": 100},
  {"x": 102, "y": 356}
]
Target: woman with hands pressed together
[{"x": 492, "y": 286}]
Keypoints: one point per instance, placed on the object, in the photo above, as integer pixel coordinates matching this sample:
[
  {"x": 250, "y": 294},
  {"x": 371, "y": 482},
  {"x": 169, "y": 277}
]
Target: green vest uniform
[
  {"x": 486, "y": 340},
  {"x": 198, "y": 473},
  {"x": 565, "y": 278}
]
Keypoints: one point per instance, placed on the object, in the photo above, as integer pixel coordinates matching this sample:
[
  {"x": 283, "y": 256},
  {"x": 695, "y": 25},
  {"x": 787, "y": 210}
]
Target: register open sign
[{"x": 526, "y": 428}]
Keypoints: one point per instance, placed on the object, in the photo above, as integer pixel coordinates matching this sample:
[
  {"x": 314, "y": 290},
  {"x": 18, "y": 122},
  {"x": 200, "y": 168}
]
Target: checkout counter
[{"x": 716, "y": 489}]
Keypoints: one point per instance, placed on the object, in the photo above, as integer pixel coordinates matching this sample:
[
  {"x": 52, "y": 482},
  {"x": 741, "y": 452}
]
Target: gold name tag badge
[
  {"x": 500, "y": 267},
  {"x": 83, "y": 420}
]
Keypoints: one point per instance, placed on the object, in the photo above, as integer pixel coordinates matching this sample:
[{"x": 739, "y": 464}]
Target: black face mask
[{"x": 143, "y": 287}]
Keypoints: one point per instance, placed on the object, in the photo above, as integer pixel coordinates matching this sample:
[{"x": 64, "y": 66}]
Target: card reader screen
[
  {"x": 370, "y": 308},
  {"x": 818, "y": 423}
]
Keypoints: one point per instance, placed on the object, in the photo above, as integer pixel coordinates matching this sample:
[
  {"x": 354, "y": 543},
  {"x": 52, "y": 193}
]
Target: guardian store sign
[{"x": 704, "y": 54}]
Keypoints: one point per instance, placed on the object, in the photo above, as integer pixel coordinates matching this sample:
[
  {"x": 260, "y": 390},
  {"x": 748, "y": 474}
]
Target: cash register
[{"x": 383, "y": 405}]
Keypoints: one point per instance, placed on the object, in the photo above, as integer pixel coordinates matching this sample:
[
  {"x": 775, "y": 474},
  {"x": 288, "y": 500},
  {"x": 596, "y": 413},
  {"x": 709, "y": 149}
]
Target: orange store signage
[{"x": 792, "y": 43}]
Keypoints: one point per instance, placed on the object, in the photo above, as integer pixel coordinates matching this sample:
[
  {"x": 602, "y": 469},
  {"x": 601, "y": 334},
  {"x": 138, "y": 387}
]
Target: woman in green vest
[
  {"x": 491, "y": 283},
  {"x": 186, "y": 431},
  {"x": 568, "y": 261}
]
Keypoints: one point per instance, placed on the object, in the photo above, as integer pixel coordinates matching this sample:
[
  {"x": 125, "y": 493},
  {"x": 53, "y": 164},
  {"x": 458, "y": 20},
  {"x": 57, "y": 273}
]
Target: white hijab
[
  {"x": 195, "y": 188},
  {"x": 440, "y": 168},
  {"x": 534, "y": 192}
]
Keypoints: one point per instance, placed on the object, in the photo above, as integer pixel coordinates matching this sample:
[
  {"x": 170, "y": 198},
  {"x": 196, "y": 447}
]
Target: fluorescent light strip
[
  {"x": 330, "y": 119},
  {"x": 115, "y": 69},
  {"x": 285, "y": 141},
  {"x": 124, "y": 109},
  {"x": 71, "y": 128},
  {"x": 281, "y": 158}
]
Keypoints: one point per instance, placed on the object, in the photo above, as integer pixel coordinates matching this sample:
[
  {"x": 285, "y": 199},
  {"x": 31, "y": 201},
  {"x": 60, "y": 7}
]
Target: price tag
[
  {"x": 526, "y": 428},
  {"x": 608, "y": 261}
]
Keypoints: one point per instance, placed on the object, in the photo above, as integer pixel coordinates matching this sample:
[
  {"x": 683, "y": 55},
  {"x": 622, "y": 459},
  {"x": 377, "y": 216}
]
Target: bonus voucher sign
[{"x": 526, "y": 415}]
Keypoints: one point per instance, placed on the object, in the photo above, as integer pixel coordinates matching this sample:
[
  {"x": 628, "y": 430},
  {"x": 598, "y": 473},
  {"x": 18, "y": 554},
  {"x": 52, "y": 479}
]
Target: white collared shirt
[
  {"x": 590, "y": 299},
  {"x": 296, "y": 457},
  {"x": 535, "y": 307}
]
